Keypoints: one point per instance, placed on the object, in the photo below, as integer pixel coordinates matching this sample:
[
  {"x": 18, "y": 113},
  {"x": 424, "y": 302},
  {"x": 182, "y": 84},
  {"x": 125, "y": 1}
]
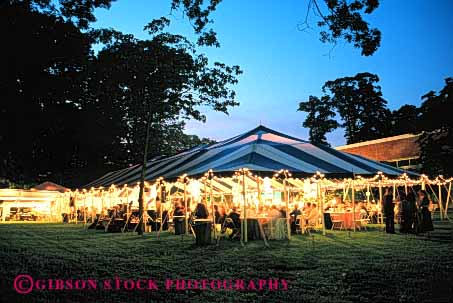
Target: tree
[
  {"x": 343, "y": 20},
  {"x": 436, "y": 122},
  {"x": 405, "y": 120},
  {"x": 47, "y": 90},
  {"x": 156, "y": 84},
  {"x": 39, "y": 82},
  {"x": 360, "y": 104},
  {"x": 319, "y": 119}
]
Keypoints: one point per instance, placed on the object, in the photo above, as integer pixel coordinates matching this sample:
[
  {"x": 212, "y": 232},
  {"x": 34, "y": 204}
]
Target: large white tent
[{"x": 261, "y": 150}]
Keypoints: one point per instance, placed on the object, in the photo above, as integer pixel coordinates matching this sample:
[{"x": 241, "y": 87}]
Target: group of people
[
  {"x": 307, "y": 216},
  {"x": 414, "y": 212}
]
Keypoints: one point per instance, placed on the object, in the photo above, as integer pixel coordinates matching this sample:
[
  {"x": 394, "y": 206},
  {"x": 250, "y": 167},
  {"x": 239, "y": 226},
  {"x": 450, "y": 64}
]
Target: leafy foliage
[
  {"x": 358, "y": 101},
  {"x": 343, "y": 20},
  {"x": 319, "y": 119},
  {"x": 436, "y": 122},
  {"x": 405, "y": 120},
  {"x": 163, "y": 77},
  {"x": 69, "y": 114}
]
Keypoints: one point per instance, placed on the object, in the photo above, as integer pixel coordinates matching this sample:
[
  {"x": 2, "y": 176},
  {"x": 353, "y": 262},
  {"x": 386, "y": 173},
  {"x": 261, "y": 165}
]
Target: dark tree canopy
[
  {"x": 436, "y": 124},
  {"x": 165, "y": 77},
  {"x": 344, "y": 20},
  {"x": 405, "y": 120},
  {"x": 63, "y": 114},
  {"x": 360, "y": 104},
  {"x": 319, "y": 120}
]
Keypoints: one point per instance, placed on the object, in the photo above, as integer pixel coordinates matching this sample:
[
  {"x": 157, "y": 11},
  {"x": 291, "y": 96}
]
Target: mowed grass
[{"x": 365, "y": 266}]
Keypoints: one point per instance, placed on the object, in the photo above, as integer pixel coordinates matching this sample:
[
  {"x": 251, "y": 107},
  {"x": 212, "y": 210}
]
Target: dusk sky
[{"x": 283, "y": 66}]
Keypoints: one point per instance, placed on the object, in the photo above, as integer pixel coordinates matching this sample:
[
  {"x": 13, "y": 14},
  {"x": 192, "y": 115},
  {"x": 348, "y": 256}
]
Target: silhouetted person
[
  {"x": 294, "y": 214},
  {"x": 389, "y": 212},
  {"x": 235, "y": 217},
  {"x": 426, "y": 224},
  {"x": 179, "y": 222},
  {"x": 202, "y": 229}
]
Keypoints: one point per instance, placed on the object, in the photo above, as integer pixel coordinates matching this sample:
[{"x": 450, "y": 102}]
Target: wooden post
[{"x": 353, "y": 203}]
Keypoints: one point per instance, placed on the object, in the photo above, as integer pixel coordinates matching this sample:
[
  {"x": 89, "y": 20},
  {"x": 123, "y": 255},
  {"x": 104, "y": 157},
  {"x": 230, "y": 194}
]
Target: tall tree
[
  {"x": 360, "y": 104},
  {"x": 319, "y": 119},
  {"x": 39, "y": 81},
  {"x": 157, "y": 83},
  {"x": 46, "y": 90}
]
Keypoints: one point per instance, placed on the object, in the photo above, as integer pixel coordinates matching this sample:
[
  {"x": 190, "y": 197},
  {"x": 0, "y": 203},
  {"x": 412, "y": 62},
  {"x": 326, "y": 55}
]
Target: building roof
[{"x": 386, "y": 149}]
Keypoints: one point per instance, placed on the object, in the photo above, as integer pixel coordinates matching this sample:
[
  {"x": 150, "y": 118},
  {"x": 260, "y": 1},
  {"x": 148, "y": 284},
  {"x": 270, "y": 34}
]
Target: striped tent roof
[{"x": 263, "y": 151}]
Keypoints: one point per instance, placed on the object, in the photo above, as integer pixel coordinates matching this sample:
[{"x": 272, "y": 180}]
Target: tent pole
[
  {"x": 211, "y": 198},
  {"x": 380, "y": 201},
  {"x": 353, "y": 203},
  {"x": 368, "y": 193},
  {"x": 345, "y": 190},
  {"x": 245, "y": 207},
  {"x": 439, "y": 200},
  {"x": 322, "y": 208},
  {"x": 84, "y": 209},
  {"x": 161, "y": 209},
  {"x": 128, "y": 209},
  {"x": 288, "y": 226},
  {"x": 448, "y": 199},
  {"x": 185, "y": 209}
]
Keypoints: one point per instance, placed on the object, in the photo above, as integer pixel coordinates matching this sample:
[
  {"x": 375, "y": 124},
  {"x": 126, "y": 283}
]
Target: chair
[
  {"x": 361, "y": 222},
  {"x": 301, "y": 225},
  {"x": 337, "y": 221}
]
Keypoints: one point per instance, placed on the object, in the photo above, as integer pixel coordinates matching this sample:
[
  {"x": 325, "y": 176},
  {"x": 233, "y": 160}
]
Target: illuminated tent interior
[{"x": 32, "y": 205}]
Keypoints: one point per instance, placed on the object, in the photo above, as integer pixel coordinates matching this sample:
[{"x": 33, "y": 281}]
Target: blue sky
[{"x": 283, "y": 66}]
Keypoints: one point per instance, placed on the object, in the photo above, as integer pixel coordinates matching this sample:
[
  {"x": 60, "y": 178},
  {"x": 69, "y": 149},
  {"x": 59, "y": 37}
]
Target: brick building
[{"x": 400, "y": 151}]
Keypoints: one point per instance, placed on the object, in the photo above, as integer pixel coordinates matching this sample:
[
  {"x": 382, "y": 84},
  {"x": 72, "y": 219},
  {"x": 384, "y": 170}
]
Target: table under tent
[{"x": 253, "y": 172}]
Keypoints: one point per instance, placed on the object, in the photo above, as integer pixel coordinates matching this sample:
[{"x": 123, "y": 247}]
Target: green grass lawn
[{"x": 343, "y": 266}]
